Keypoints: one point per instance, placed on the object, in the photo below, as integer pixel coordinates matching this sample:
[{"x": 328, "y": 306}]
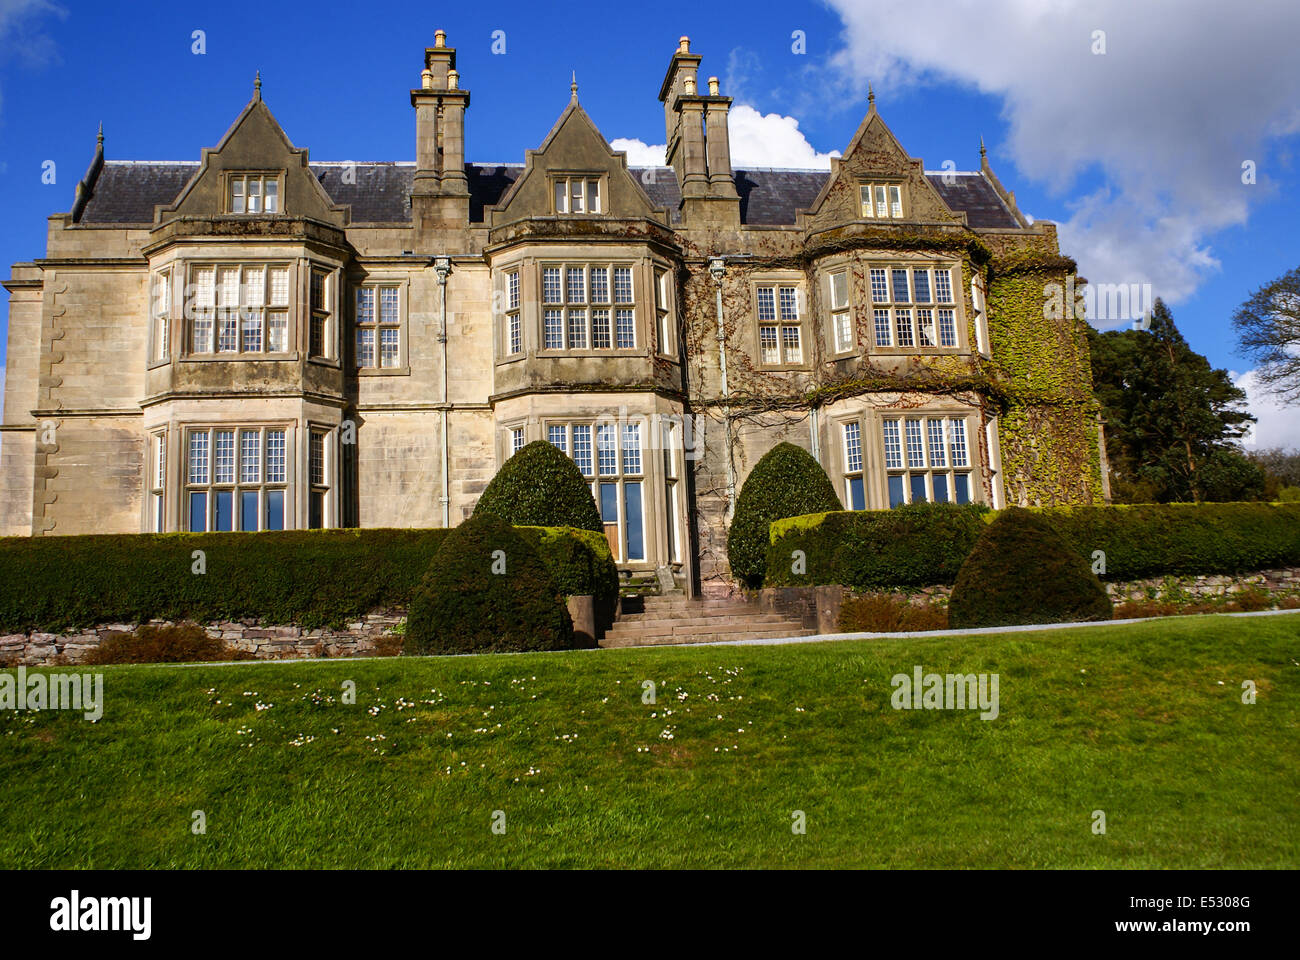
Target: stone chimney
[
  {"x": 440, "y": 193},
  {"x": 699, "y": 148}
]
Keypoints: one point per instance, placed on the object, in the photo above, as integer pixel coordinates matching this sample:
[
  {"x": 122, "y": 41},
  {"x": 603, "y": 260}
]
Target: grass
[{"x": 1143, "y": 721}]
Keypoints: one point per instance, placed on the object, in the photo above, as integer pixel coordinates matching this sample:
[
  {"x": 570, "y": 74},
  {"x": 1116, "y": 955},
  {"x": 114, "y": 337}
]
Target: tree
[
  {"x": 540, "y": 487},
  {"x": 1281, "y": 465},
  {"x": 1168, "y": 413},
  {"x": 1268, "y": 325}
]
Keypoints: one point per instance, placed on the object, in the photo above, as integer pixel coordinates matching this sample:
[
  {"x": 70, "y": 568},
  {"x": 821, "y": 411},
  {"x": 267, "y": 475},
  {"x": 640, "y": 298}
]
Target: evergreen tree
[{"x": 1173, "y": 422}]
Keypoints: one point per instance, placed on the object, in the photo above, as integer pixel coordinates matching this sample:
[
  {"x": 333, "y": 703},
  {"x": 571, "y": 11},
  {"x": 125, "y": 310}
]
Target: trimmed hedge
[
  {"x": 913, "y": 546},
  {"x": 312, "y": 578},
  {"x": 581, "y": 563},
  {"x": 1152, "y": 540},
  {"x": 1022, "y": 571},
  {"x": 875, "y": 548},
  {"x": 541, "y": 487},
  {"x": 487, "y": 591},
  {"x": 786, "y": 482}
]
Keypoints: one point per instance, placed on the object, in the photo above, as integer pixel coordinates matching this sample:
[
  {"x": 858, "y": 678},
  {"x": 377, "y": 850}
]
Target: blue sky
[{"x": 1136, "y": 151}]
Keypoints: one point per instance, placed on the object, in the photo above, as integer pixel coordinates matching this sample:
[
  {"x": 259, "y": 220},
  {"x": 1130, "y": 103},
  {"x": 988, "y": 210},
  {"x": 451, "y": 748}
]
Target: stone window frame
[
  {"x": 326, "y": 483},
  {"x": 663, "y": 279},
  {"x": 190, "y": 266},
  {"x": 778, "y": 279},
  {"x": 238, "y": 485},
  {"x": 874, "y": 471},
  {"x": 888, "y": 184},
  {"x": 587, "y": 177},
  {"x": 377, "y": 282},
  {"x": 613, "y": 305},
  {"x": 911, "y": 264},
  {"x": 162, "y": 310},
  {"x": 156, "y": 475},
  {"x": 262, "y": 177}
]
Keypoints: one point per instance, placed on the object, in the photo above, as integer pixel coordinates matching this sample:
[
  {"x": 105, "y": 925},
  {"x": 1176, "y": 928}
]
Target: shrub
[
  {"x": 1022, "y": 571},
  {"x": 916, "y": 545},
  {"x": 1152, "y": 540},
  {"x": 487, "y": 590},
  {"x": 177, "y": 643},
  {"x": 1289, "y": 495},
  {"x": 786, "y": 482},
  {"x": 541, "y": 487},
  {"x": 581, "y": 563},
  {"x": 882, "y": 613},
  {"x": 313, "y": 578}
]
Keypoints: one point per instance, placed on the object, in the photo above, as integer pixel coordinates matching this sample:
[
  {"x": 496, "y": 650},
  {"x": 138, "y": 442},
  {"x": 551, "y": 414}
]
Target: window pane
[
  {"x": 632, "y": 448},
  {"x": 941, "y": 488},
  {"x": 635, "y": 522},
  {"x": 921, "y": 280},
  {"x": 852, "y": 447},
  {"x": 766, "y": 303},
  {"x": 551, "y": 290},
  {"x": 577, "y": 329},
  {"x": 252, "y": 331},
  {"x": 280, "y": 286},
  {"x": 318, "y": 459},
  {"x": 793, "y": 347},
  {"x": 609, "y": 503},
  {"x": 576, "y": 278},
  {"x": 516, "y": 334},
  {"x": 915, "y": 448},
  {"x": 918, "y": 487},
  {"x": 389, "y": 348},
  {"x": 559, "y": 437},
  {"x": 275, "y": 510},
  {"x": 767, "y": 343},
  {"x": 512, "y": 289},
  {"x": 947, "y": 329},
  {"x": 248, "y": 510},
  {"x": 600, "y": 332},
  {"x": 879, "y": 285},
  {"x": 896, "y": 491},
  {"x": 224, "y": 510},
  {"x": 277, "y": 332},
  {"x": 599, "y": 284},
  {"x": 961, "y": 482},
  {"x": 789, "y": 303},
  {"x": 622, "y": 284},
  {"x": 250, "y": 457},
  {"x": 553, "y": 331},
  {"x": 882, "y": 208},
  {"x": 607, "y": 449},
  {"x": 884, "y": 336},
  {"x": 864, "y": 200},
  {"x": 593, "y": 196},
  {"x": 223, "y": 456},
  {"x": 198, "y": 512},
  {"x": 199, "y": 457},
  {"x": 893, "y": 446},
  {"x": 575, "y": 196},
  {"x": 843, "y": 331},
  {"x": 900, "y": 286},
  {"x": 561, "y": 196},
  {"x": 626, "y": 329},
  {"x": 839, "y": 290},
  {"x": 228, "y": 331},
  {"x": 895, "y": 201},
  {"x": 938, "y": 457},
  {"x": 388, "y": 312},
  {"x": 316, "y": 510},
  {"x": 903, "y": 322},
  {"x": 960, "y": 457},
  {"x": 275, "y": 456},
  {"x": 925, "y": 327},
  {"x": 943, "y": 286},
  {"x": 857, "y": 496},
  {"x": 272, "y": 196},
  {"x": 582, "y": 448},
  {"x": 237, "y": 195},
  {"x": 365, "y": 348}
]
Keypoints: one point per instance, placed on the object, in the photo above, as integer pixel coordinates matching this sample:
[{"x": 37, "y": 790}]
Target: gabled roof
[{"x": 126, "y": 191}]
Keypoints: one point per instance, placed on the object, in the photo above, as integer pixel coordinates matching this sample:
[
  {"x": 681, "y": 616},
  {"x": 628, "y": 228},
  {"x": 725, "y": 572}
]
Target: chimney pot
[
  {"x": 426, "y": 79},
  {"x": 684, "y": 45},
  {"x": 713, "y": 86},
  {"x": 453, "y": 80},
  {"x": 440, "y": 38},
  {"x": 690, "y": 86}
]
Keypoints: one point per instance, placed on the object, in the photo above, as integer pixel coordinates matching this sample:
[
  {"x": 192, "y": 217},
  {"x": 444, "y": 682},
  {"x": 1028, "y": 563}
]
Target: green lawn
[{"x": 1143, "y": 721}]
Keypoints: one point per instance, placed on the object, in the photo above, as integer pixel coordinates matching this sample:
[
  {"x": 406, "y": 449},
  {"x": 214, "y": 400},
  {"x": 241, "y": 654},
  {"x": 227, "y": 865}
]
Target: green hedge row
[
  {"x": 926, "y": 544},
  {"x": 915, "y": 545},
  {"x": 312, "y": 578}
]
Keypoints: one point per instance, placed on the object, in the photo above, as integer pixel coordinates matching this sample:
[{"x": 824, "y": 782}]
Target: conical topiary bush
[
  {"x": 541, "y": 487},
  {"x": 786, "y": 482},
  {"x": 1021, "y": 571}
]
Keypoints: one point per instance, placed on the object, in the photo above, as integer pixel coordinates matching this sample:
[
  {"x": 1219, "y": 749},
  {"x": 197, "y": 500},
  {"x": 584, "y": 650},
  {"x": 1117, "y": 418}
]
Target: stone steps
[{"x": 675, "y": 620}]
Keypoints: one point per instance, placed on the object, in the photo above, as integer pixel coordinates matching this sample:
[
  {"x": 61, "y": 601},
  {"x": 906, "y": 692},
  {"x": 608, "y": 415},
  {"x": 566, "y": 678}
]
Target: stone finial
[
  {"x": 983, "y": 152},
  {"x": 426, "y": 79},
  {"x": 453, "y": 80},
  {"x": 690, "y": 86},
  {"x": 257, "y": 85},
  {"x": 440, "y": 38},
  {"x": 99, "y": 139},
  {"x": 713, "y": 86},
  {"x": 573, "y": 87},
  {"x": 871, "y": 96},
  {"x": 684, "y": 45}
]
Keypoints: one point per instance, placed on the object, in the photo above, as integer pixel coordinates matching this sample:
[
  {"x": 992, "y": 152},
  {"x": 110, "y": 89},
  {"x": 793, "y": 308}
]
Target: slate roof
[{"x": 126, "y": 192}]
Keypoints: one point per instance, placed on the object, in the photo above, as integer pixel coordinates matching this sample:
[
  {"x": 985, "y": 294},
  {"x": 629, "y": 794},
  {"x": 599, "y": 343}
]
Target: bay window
[
  {"x": 588, "y": 307},
  {"x": 238, "y": 309},
  {"x": 927, "y": 459},
  {"x": 236, "y": 478},
  {"x": 609, "y": 455},
  {"x": 913, "y": 307}
]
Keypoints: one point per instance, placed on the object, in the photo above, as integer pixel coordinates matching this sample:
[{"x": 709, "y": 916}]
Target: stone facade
[{"x": 255, "y": 341}]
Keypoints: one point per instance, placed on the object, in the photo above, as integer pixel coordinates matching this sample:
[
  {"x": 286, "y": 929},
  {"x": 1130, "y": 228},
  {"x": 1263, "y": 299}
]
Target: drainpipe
[
  {"x": 814, "y": 434},
  {"x": 442, "y": 267},
  {"x": 717, "y": 268}
]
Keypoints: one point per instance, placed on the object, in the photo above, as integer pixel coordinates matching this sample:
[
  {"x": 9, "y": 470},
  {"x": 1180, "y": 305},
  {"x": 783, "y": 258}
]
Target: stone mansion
[{"x": 253, "y": 340}]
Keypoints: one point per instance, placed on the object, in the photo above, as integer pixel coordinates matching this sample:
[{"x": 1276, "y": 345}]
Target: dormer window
[
  {"x": 254, "y": 193},
  {"x": 881, "y": 201},
  {"x": 577, "y": 195}
]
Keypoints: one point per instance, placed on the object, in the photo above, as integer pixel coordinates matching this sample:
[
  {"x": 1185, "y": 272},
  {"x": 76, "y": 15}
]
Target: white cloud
[
  {"x": 1277, "y": 425},
  {"x": 21, "y": 37},
  {"x": 757, "y": 140},
  {"x": 1182, "y": 97}
]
